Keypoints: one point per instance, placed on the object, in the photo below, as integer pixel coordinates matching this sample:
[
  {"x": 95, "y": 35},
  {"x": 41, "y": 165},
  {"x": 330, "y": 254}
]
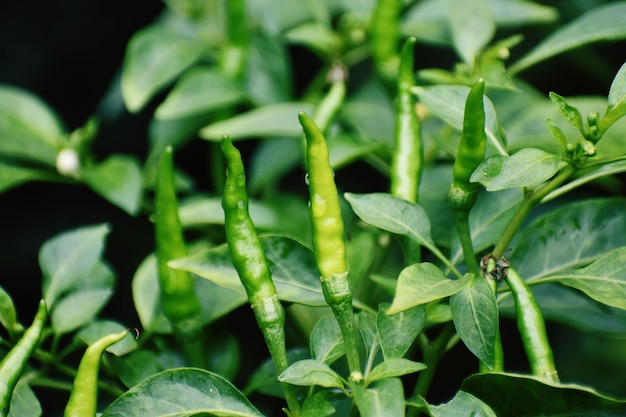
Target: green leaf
[
  {"x": 136, "y": 366},
  {"x": 317, "y": 405},
  {"x": 344, "y": 149},
  {"x": 215, "y": 300},
  {"x": 202, "y": 210},
  {"x": 462, "y": 405},
  {"x": 293, "y": 269},
  {"x": 526, "y": 168},
  {"x": 97, "y": 329},
  {"x": 82, "y": 303},
  {"x": 199, "y": 91},
  {"x": 394, "y": 367},
  {"x": 311, "y": 372},
  {"x": 392, "y": 214},
  {"x": 270, "y": 120},
  {"x": 382, "y": 398},
  {"x": 569, "y": 113},
  {"x": 155, "y": 56},
  {"x": 316, "y": 36},
  {"x": 68, "y": 258},
  {"x": 28, "y": 127},
  {"x": 398, "y": 331},
  {"x": 570, "y": 237},
  {"x": 475, "y": 316},
  {"x": 525, "y": 396},
  {"x": 472, "y": 26},
  {"x": 603, "y": 23},
  {"x": 119, "y": 180},
  {"x": 268, "y": 78},
  {"x": 617, "y": 92},
  {"x": 447, "y": 102},
  {"x": 422, "y": 283},
  {"x": 604, "y": 280},
  {"x": 366, "y": 325},
  {"x": 12, "y": 175},
  {"x": 326, "y": 341},
  {"x": 370, "y": 112},
  {"x": 180, "y": 393},
  {"x": 8, "y": 315},
  {"x": 24, "y": 402}
]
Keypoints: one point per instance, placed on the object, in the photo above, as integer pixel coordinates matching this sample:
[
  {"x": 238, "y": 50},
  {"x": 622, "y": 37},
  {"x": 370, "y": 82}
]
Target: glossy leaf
[
  {"x": 311, "y": 372},
  {"x": 475, "y": 316},
  {"x": 366, "y": 325},
  {"x": 119, "y": 180},
  {"x": 154, "y": 58},
  {"x": 268, "y": 78},
  {"x": 398, "y": 216},
  {"x": 82, "y": 303},
  {"x": 398, "y": 331},
  {"x": 370, "y": 112},
  {"x": 68, "y": 258},
  {"x": 28, "y": 127},
  {"x": 8, "y": 315},
  {"x": 525, "y": 396},
  {"x": 462, "y": 405},
  {"x": 422, "y": 283},
  {"x": 199, "y": 91},
  {"x": 603, "y": 23},
  {"x": 326, "y": 341},
  {"x": 472, "y": 26},
  {"x": 271, "y": 160},
  {"x": 570, "y": 237},
  {"x": 382, "y": 398},
  {"x": 526, "y": 168},
  {"x": 180, "y": 393},
  {"x": 279, "y": 119},
  {"x": 215, "y": 300},
  {"x": 24, "y": 402},
  {"x": 293, "y": 269},
  {"x": 604, "y": 280},
  {"x": 317, "y": 405},
  {"x": 617, "y": 100},
  {"x": 136, "y": 366},
  {"x": 394, "y": 367}
]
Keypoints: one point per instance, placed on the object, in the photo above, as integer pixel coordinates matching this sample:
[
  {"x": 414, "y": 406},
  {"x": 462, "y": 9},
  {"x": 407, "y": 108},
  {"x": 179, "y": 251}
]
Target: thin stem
[
  {"x": 527, "y": 205},
  {"x": 461, "y": 218}
]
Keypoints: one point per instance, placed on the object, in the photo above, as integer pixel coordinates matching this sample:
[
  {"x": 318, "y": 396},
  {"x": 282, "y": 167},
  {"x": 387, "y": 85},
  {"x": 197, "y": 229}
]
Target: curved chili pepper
[
  {"x": 328, "y": 240},
  {"x": 15, "y": 361},
  {"x": 83, "y": 399},
  {"x": 249, "y": 260},
  {"x": 532, "y": 328}
]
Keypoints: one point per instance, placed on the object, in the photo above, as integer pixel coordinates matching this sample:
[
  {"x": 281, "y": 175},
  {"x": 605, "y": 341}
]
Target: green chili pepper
[
  {"x": 406, "y": 167},
  {"x": 328, "y": 241},
  {"x": 471, "y": 151},
  {"x": 385, "y": 33},
  {"x": 178, "y": 296},
  {"x": 14, "y": 362},
  {"x": 84, "y": 397},
  {"x": 532, "y": 328},
  {"x": 251, "y": 264},
  {"x": 179, "y": 300}
]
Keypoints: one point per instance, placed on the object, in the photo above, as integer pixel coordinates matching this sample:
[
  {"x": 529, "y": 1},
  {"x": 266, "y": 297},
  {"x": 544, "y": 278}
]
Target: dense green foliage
[{"x": 419, "y": 223}]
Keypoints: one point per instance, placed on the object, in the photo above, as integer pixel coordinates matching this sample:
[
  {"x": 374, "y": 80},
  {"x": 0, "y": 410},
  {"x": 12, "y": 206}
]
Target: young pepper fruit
[
  {"x": 328, "y": 240},
  {"x": 15, "y": 361},
  {"x": 249, "y": 260},
  {"x": 471, "y": 151},
  {"x": 84, "y": 396}
]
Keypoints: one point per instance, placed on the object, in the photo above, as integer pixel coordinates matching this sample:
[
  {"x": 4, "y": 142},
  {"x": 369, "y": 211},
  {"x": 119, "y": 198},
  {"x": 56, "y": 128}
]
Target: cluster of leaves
[{"x": 225, "y": 68}]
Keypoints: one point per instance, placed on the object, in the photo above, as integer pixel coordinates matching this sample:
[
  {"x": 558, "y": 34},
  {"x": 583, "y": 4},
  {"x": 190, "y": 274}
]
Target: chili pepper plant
[{"x": 396, "y": 216}]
